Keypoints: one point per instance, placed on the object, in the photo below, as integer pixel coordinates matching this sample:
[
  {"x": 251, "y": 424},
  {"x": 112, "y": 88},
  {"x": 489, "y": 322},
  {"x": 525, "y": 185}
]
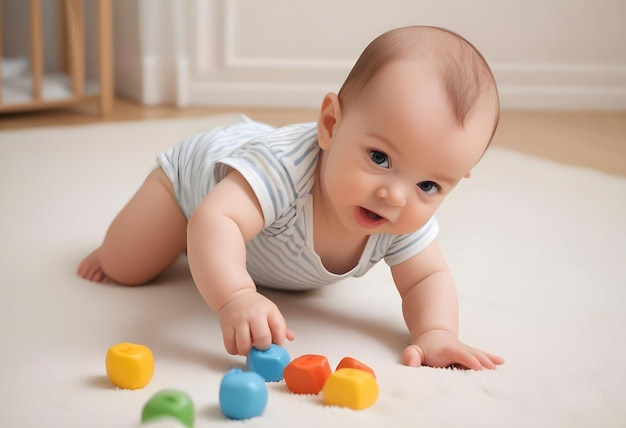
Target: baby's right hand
[{"x": 250, "y": 319}]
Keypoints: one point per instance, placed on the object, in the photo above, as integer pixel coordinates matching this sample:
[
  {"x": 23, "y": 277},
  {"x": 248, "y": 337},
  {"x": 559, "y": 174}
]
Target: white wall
[{"x": 545, "y": 53}]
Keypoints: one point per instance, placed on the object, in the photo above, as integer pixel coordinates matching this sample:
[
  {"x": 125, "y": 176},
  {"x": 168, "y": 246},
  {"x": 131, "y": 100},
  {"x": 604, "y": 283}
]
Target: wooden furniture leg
[
  {"x": 105, "y": 38},
  {"x": 36, "y": 49},
  {"x": 1, "y": 82},
  {"x": 75, "y": 25}
]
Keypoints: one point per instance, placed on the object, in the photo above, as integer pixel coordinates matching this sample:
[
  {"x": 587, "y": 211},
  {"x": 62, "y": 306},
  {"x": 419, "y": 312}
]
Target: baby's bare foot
[{"x": 90, "y": 269}]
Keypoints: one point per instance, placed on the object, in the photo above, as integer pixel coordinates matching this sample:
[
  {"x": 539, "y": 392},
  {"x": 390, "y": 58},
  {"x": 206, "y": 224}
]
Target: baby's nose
[{"x": 394, "y": 195}]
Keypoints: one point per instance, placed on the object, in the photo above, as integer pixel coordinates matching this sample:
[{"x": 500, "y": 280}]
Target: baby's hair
[{"x": 465, "y": 74}]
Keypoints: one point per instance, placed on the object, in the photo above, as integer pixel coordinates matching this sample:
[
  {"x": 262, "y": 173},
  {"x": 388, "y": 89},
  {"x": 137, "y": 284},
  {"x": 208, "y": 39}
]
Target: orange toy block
[
  {"x": 353, "y": 363},
  {"x": 129, "y": 365},
  {"x": 353, "y": 388},
  {"x": 307, "y": 374}
]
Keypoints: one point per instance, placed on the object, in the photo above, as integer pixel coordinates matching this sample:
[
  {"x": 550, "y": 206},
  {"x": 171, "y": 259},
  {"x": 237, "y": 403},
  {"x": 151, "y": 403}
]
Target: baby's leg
[{"x": 145, "y": 238}]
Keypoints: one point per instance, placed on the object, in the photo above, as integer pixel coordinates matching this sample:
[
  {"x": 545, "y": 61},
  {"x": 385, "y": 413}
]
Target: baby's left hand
[{"x": 440, "y": 348}]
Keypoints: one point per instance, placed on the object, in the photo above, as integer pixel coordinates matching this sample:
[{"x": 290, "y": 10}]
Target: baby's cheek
[{"x": 417, "y": 218}]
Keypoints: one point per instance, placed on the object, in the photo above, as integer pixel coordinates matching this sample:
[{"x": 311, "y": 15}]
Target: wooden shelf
[{"x": 38, "y": 90}]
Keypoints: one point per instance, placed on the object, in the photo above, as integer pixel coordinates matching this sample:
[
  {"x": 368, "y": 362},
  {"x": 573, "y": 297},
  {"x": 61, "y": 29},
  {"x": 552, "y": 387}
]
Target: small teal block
[
  {"x": 243, "y": 395},
  {"x": 169, "y": 403},
  {"x": 270, "y": 363}
]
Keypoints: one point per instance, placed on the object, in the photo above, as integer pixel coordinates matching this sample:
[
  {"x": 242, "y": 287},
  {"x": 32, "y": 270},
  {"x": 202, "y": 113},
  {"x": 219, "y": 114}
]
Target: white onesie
[{"x": 279, "y": 164}]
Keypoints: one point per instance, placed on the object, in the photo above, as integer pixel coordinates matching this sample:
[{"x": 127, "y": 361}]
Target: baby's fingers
[
  {"x": 243, "y": 339},
  {"x": 487, "y": 360},
  {"x": 413, "y": 356},
  {"x": 261, "y": 334},
  {"x": 279, "y": 331},
  {"x": 463, "y": 357},
  {"x": 484, "y": 360},
  {"x": 495, "y": 359},
  {"x": 475, "y": 359},
  {"x": 228, "y": 334}
]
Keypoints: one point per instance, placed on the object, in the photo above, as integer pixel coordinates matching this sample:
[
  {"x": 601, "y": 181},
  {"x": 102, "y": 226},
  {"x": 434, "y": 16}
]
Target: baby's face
[{"x": 397, "y": 151}]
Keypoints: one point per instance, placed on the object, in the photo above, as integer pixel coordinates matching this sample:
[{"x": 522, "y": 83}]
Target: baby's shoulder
[{"x": 295, "y": 148}]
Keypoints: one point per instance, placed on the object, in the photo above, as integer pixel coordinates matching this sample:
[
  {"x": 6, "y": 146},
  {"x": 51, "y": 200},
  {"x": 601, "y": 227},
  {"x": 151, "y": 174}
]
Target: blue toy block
[
  {"x": 243, "y": 395},
  {"x": 270, "y": 363}
]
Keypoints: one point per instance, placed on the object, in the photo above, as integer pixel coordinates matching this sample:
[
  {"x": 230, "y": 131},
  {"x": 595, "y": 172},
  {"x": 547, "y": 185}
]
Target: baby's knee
[{"x": 121, "y": 272}]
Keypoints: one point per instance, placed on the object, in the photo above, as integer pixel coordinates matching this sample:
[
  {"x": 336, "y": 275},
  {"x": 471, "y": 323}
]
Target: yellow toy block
[
  {"x": 129, "y": 365},
  {"x": 353, "y": 388}
]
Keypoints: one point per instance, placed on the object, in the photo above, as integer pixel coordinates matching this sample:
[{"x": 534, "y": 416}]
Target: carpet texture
[{"x": 538, "y": 251}]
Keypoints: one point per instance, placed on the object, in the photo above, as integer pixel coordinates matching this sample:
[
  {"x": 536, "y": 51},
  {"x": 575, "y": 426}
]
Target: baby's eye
[
  {"x": 429, "y": 186},
  {"x": 379, "y": 158}
]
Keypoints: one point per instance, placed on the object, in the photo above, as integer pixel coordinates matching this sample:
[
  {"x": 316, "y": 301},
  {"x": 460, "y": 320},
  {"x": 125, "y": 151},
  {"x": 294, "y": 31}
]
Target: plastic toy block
[
  {"x": 129, "y": 365},
  {"x": 243, "y": 395},
  {"x": 307, "y": 374},
  {"x": 353, "y": 363},
  {"x": 169, "y": 403},
  {"x": 353, "y": 388},
  {"x": 269, "y": 363}
]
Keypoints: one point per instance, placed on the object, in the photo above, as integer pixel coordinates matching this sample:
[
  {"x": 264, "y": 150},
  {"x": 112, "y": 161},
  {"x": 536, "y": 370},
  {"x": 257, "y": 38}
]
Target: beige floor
[{"x": 586, "y": 138}]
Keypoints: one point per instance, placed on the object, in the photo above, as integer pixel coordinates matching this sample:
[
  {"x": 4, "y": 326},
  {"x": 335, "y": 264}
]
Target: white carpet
[{"x": 538, "y": 251}]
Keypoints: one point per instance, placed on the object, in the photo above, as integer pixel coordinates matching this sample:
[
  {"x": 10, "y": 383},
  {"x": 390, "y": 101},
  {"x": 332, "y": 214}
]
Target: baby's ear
[{"x": 330, "y": 115}]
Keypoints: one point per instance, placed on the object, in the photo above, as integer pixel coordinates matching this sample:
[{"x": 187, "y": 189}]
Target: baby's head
[
  {"x": 413, "y": 118},
  {"x": 464, "y": 74}
]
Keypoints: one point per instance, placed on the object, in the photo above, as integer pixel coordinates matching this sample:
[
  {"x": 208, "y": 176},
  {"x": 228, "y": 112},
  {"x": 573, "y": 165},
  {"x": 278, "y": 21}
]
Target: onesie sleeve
[
  {"x": 267, "y": 176},
  {"x": 403, "y": 247}
]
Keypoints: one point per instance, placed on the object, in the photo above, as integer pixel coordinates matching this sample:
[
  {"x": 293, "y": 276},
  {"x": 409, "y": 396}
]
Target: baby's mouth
[
  {"x": 371, "y": 214},
  {"x": 368, "y": 219}
]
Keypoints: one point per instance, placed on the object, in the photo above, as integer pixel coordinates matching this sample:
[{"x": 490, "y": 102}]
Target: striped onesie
[{"x": 279, "y": 164}]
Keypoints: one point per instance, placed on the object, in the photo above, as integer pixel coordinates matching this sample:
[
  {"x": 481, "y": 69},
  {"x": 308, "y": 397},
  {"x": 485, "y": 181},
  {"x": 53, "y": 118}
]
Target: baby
[{"x": 307, "y": 205}]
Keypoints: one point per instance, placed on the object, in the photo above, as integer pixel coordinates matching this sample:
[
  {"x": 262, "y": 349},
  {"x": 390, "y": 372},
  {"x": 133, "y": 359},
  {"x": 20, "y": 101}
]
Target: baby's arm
[
  {"x": 430, "y": 309},
  {"x": 228, "y": 217}
]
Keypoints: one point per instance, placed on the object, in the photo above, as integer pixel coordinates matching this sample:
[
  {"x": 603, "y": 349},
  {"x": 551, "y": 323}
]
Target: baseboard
[
  {"x": 310, "y": 95},
  {"x": 570, "y": 86},
  {"x": 546, "y": 97},
  {"x": 257, "y": 94},
  {"x": 148, "y": 80}
]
